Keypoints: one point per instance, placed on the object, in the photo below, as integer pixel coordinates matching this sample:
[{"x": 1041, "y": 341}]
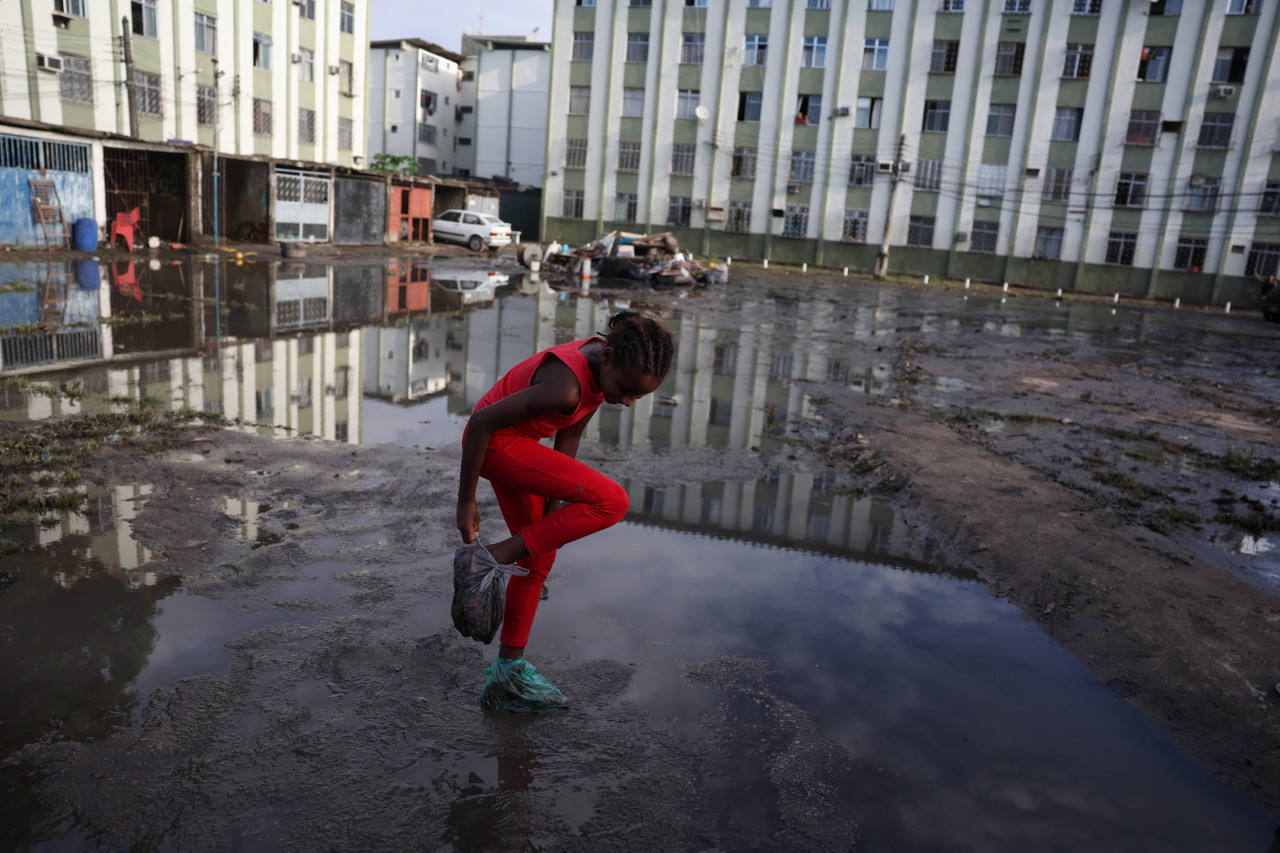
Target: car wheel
[{"x": 475, "y": 243}]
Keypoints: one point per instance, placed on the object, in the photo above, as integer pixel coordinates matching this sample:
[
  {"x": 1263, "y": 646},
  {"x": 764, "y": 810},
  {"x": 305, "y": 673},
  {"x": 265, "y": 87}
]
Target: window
[
  {"x": 1270, "y": 205},
  {"x": 1153, "y": 67},
  {"x": 1166, "y": 7},
  {"x": 679, "y": 209},
  {"x": 629, "y": 156},
  {"x": 206, "y": 34},
  {"x": 585, "y": 3},
  {"x": 867, "y": 113},
  {"x": 572, "y": 205},
  {"x": 862, "y": 170},
  {"x": 1131, "y": 189},
  {"x": 744, "y": 161},
  {"x": 991, "y": 178},
  {"x": 687, "y": 103},
  {"x": 427, "y": 101},
  {"x": 1215, "y": 130},
  {"x": 1017, "y": 6},
  {"x": 1000, "y": 119},
  {"x": 756, "y": 51},
  {"x": 1057, "y": 184},
  {"x": 802, "y": 166},
  {"x": 426, "y": 133},
  {"x": 306, "y": 65},
  {"x": 808, "y": 109},
  {"x": 640, "y": 3},
  {"x": 818, "y": 4},
  {"x": 920, "y": 231},
  {"x": 76, "y": 80},
  {"x": 144, "y": 18},
  {"x": 984, "y": 237},
  {"x": 937, "y": 116},
  {"x": 1120, "y": 247},
  {"x": 148, "y": 89},
  {"x": 1189, "y": 256},
  {"x": 1086, "y": 7},
  {"x": 749, "y": 104},
  {"x": 1009, "y": 58},
  {"x": 1202, "y": 193},
  {"x": 1079, "y": 61},
  {"x": 1230, "y": 64},
  {"x": 346, "y": 133},
  {"x": 759, "y": 4},
  {"x": 637, "y": 47},
  {"x": 739, "y": 218},
  {"x": 306, "y": 125},
  {"x": 575, "y": 154},
  {"x": 683, "y": 157},
  {"x": 951, "y": 6},
  {"x": 632, "y": 103},
  {"x": 875, "y": 55},
  {"x": 579, "y": 100},
  {"x": 624, "y": 207},
  {"x": 1240, "y": 7},
  {"x": 929, "y": 176},
  {"x": 262, "y": 51},
  {"x": 584, "y": 45},
  {"x": 1144, "y": 126},
  {"x": 855, "y": 226},
  {"x": 943, "y": 58},
  {"x": 306, "y": 8},
  {"x": 795, "y": 221},
  {"x": 206, "y": 106},
  {"x": 261, "y": 117},
  {"x": 1066, "y": 124},
  {"x": 701, "y": 3},
  {"x": 426, "y": 165},
  {"x": 1264, "y": 259},
  {"x": 692, "y": 48},
  {"x": 880, "y": 5},
  {"x": 71, "y": 8},
  {"x": 814, "y": 53},
  {"x": 347, "y": 18},
  {"x": 346, "y": 77},
  {"x": 1048, "y": 243}
]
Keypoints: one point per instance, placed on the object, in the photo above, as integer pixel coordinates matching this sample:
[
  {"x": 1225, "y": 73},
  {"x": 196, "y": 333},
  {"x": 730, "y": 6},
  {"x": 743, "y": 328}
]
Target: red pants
[{"x": 524, "y": 474}]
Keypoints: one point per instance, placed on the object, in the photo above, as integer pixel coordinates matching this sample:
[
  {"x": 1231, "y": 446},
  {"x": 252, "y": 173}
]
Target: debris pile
[{"x": 655, "y": 258}]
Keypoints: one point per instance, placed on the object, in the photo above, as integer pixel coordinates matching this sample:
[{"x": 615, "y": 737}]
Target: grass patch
[
  {"x": 9, "y": 546},
  {"x": 1126, "y": 485},
  {"x": 1169, "y": 518}
]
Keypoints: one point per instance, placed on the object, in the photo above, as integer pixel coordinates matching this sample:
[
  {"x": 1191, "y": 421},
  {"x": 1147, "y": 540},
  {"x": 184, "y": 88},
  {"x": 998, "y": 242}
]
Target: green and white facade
[{"x": 1092, "y": 145}]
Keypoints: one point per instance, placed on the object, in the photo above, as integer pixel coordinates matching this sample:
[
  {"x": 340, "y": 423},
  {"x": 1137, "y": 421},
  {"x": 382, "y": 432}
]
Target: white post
[
  {"x": 846, "y": 271},
  {"x": 1004, "y": 288},
  {"x": 1117, "y": 299},
  {"x": 966, "y": 284},
  {"x": 766, "y": 263},
  {"x": 1228, "y": 308},
  {"x": 804, "y": 267},
  {"x": 1177, "y": 302},
  {"x": 926, "y": 279},
  {"x": 728, "y": 262},
  {"x": 1059, "y": 292}
]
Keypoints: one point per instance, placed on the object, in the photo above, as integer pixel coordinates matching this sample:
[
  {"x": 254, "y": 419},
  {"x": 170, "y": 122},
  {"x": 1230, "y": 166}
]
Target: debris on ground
[{"x": 655, "y": 258}]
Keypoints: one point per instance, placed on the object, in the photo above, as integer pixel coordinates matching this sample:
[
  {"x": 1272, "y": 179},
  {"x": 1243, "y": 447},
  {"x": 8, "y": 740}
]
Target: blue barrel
[
  {"x": 85, "y": 235},
  {"x": 88, "y": 274}
]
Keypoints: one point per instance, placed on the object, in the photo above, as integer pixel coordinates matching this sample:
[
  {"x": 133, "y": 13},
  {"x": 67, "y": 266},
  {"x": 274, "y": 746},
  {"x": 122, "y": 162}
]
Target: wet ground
[{"x": 906, "y": 569}]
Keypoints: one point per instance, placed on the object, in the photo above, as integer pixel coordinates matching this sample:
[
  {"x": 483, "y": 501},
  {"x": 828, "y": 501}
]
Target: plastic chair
[
  {"x": 123, "y": 226},
  {"x": 127, "y": 281}
]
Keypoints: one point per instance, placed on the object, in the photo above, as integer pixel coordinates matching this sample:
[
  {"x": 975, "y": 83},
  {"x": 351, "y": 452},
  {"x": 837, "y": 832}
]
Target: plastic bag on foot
[
  {"x": 479, "y": 592},
  {"x": 517, "y": 686}
]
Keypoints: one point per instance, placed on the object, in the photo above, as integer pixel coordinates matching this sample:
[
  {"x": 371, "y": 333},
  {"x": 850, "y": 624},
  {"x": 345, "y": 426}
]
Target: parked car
[{"x": 475, "y": 230}]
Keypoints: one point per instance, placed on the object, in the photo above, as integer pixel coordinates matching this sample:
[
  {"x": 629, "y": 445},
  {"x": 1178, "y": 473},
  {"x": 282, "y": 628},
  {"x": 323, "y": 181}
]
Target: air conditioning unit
[
  {"x": 1197, "y": 180},
  {"x": 333, "y": 69},
  {"x": 700, "y": 203},
  {"x": 885, "y": 167},
  {"x": 1226, "y": 91},
  {"x": 905, "y": 167},
  {"x": 48, "y": 63},
  {"x": 792, "y": 189},
  {"x": 843, "y": 111},
  {"x": 295, "y": 58}
]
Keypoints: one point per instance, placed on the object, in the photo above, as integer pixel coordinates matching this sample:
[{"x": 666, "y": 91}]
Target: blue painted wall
[
  {"x": 18, "y": 308},
  {"x": 18, "y": 226}
]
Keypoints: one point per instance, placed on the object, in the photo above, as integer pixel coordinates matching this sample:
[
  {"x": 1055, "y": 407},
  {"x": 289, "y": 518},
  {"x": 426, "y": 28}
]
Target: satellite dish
[{"x": 702, "y": 112}]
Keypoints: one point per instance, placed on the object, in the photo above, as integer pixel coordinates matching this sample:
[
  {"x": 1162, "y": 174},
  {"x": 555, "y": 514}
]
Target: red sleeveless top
[{"x": 519, "y": 377}]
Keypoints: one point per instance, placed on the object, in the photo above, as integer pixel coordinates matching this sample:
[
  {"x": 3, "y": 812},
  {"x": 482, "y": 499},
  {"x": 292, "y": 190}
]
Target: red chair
[
  {"x": 127, "y": 281},
  {"x": 123, "y": 226}
]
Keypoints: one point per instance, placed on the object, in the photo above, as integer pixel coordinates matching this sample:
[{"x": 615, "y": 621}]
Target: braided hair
[{"x": 640, "y": 342}]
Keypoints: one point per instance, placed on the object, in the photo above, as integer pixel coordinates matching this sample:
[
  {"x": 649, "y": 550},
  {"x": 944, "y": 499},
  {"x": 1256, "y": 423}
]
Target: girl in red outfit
[{"x": 547, "y": 497}]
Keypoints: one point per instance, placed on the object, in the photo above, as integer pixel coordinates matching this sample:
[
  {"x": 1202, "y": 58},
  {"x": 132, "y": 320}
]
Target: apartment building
[
  {"x": 280, "y": 78},
  {"x": 415, "y": 106},
  {"x": 1084, "y": 144},
  {"x": 509, "y": 83}
]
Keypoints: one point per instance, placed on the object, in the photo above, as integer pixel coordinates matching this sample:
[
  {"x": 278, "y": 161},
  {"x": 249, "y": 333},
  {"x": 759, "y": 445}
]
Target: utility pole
[
  {"x": 882, "y": 259},
  {"x": 125, "y": 40}
]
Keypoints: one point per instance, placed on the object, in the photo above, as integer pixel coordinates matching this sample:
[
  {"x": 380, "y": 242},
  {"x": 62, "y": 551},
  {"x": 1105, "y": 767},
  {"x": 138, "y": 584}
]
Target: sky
[{"x": 444, "y": 21}]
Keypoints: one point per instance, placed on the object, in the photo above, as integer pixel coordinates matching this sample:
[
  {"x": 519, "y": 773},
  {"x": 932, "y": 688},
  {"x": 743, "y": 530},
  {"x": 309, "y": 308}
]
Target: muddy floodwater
[{"x": 905, "y": 569}]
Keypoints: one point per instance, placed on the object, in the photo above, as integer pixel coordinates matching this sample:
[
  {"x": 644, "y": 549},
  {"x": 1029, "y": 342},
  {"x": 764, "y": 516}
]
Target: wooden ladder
[
  {"x": 53, "y": 297},
  {"x": 48, "y": 210}
]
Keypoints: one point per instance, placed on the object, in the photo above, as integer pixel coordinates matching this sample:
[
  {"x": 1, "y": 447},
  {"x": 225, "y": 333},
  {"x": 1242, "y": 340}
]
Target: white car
[{"x": 475, "y": 230}]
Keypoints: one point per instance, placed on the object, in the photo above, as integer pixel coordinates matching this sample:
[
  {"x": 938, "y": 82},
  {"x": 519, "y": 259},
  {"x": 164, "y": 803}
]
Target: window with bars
[
  {"x": 1263, "y": 259},
  {"x": 262, "y": 52},
  {"x": 346, "y": 133},
  {"x": 683, "y": 157},
  {"x": 1144, "y": 127},
  {"x": 679, "y": 209},
  {"x": 624, "y": 207},
  {"x": 632, "y": 103},
  {"x": 575, "y": 154},
  {"x": 206, "y": 106},
  {"x": 1000, "y": 119},
  {"x": 1017, "y": 6},
  {"x": 572, "y": 204},
  {"x": 875, "y": 54},
  {"x": 951, "y": 6},
  {"x": 1202, "y": 193},
  {"x": 738, "y": 219},
  {"x": 1078, "y": 62},
  {"x": 1215, "y": 130},
  {"x": 1270, "y": 203},
  {"x": 1190, "y": 254},
  {"x": 148, "y": 93},
  {"x": 814, "y": 52},
  {"x": 306, "y": 125},
  {"x": 584, "y": 45},
  {"x": 1153, "y": 67},
  {"x": 756, "y": 51},
  {"x": 749, "y": 106},
  {"x": 347, "y": 18},
  {"x": 76, "y": 80},
  {"x": 637, "y": 47},
  {"x": 206, "y": 34},
  {"x": 579, "y": 100},
  {"x": 920, "y": 231},
  {"x": 687, "y": 103},
  {"x": 937, "y": 116},
  {"x": 1086, "y": 7},
  {"x": 1066, "y": 124},
  {"x": 984, "y": 237},
  {"x": 1131, "y": 189},
  {"x": 744, "y": 161},
  {"x": 1057, "y": 184},
  {"x": 802, "y": 166},
  {"x": 629, "y": 155},
  {"x": 1048, "y": 244},
  {"x": 795, "y": 221},
  {"x": 855, "y": 226},
  {"x": 944, "y": 57},
  {"x": 991, "y": 178},
  {"x": 928, "y": 175},
  {"x": 426, "y": 133},
  {"x": 261, "y": 116},
  {"x": 862, "y": 170},
  {"x": 692, "y": 48},
  {"x": 1121, "y": 246}
]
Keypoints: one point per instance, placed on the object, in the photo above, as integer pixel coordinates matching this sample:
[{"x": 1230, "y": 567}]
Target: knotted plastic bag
[{"x": 479, "y": 592}]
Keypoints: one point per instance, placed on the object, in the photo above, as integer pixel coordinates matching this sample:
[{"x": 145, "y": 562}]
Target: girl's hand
[{"x": 468, "y": 520}]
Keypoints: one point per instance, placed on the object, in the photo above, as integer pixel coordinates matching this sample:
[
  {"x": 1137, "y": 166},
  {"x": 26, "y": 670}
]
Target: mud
[{"x": 1020, "y": 451}]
